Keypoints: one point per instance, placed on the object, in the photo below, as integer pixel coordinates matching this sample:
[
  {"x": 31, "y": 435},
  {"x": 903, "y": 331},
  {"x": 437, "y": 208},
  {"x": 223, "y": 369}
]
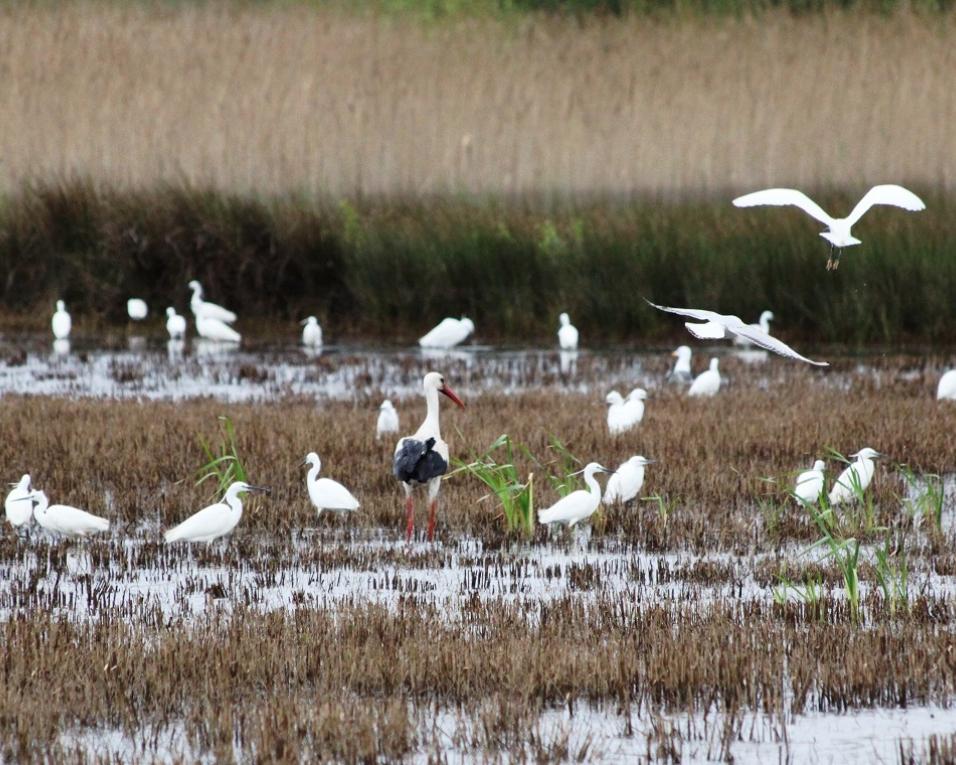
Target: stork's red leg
[
  {"x": 432, "y": 509},
  {"x": 409, "y": 517}
]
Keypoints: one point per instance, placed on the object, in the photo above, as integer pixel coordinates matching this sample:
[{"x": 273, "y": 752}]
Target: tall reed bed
[{"x": 274, "y": 97}]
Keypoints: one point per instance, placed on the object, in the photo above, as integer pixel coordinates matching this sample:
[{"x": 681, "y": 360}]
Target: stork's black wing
[{"x": 417, "y": 462}]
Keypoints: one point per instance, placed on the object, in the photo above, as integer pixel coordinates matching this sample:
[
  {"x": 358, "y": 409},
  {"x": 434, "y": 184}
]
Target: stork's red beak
[{"x": 451, "y": 394}]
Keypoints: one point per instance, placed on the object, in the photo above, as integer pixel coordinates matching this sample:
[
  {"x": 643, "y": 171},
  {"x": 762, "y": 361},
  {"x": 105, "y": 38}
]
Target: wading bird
[
  {"x": 175, "y": 324},
  {"x": 681, "y": 372},
  {"x": 634, "y": 406},
  {"x": 617, "y": 419},
  {"x": 215, "y": 520},
  {"x": 856, "y": 478},
  {"x": 61, "y": 322},
  {"x": 325, "y": 493},
  {"x": 707, "y": 383},
  {"x": 567, "y": 334},
  {"x": 136, "y": 309},
  {"x": 763, "y": 324},
  {"x": 311, "y": 332},
  {"x": 422, "y": 458},
  {"x": 387, "y": 420},
  {"x": 18, "y": 504},
  {"x": 65, "y": 520},
  {"x": 209, "y": 310},
  {"x": 717, "y": 326},
  {"x": 213, "y": 329},
  {"x": 577, "y": 505},
  {"x": 449, "y": 333},
  {"x": 809, "y": 485},
  {"x": 838, "y": 233},
  {"x": 627, "y": 480},
  {"x": 947, "y": 386}
]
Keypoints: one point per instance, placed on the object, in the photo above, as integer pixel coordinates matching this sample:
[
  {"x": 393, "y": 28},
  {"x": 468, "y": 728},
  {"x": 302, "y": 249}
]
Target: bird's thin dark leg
[
  {"x": 836, "y": 261},
  {"x": 432, "y": 509},
  {"x": 409, "y": 517},
  {"x": 830, "y": 265}
]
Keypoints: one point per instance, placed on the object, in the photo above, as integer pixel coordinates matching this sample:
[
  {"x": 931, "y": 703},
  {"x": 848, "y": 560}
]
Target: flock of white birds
[{"x": 421, "y": 459}]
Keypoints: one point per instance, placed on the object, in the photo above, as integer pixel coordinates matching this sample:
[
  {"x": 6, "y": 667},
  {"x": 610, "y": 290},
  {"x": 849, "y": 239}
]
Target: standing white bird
[
  {"x": 856, "y": 478},
  {"x": 387, "y": 420},
  {"x": 634, "y": 406},
  {"x": 422, "y": 458},
  {"x": 136, "y": 309},
  {"x": 947, "y": 386},
  {"x": 706, "y": 383},
  {"x": 617, "y": 416},
  {"x": 215, "y": 520},
  {"x": 449, "y": 333},
  {"x": 838, "y": 233},
  {"x": 61, "y": 322},
  {"x": 325, "y": 493},
  {"x": 717, "y": 326},
  {"x": 66, "y": 520},
  {"x": 627, "y": 480},
  {"x": 577, "y": 505},
  {"x": 210, "y": 310},
  {"x": 175, "y": 324},
  {"x": 681, "y": 371},
  {"x": 311, "y": 332},
  {"x": 19, "y": 502},
  {"x": 213, "y": 329},
  {"x": 763, "y": 324},
  {"x": 567, "y": 333},
  {"x": 809, "y": 485}
]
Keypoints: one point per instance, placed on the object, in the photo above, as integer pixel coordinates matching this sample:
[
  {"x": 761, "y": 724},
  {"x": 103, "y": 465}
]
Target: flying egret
[
  {"x": 18, "y": 504},
  {"x": 449, "y": 333},
  {"x": 210, "y": 310},
  {"x": 175, "y": 324},
  {"x": 706, "y": 383},
  {"x": 567, "y": 334},
  {"x": 763, "y": 324},
  {"x": 213, "y": 329},
  {"x": 136, "y": 309},
  {"x": 681, "y": 371},
  {"x": 61, "y": 323},
  {"x": 809, "y": 485},
  {"x": 215, "y": 520},
  {"x": 947, "y": 386},
  {"x": 627, "y": 480},
  {"x": 717, "y": 326},
  {"x": 634, "y": 406},
  {"x": 325, "y": 493},
  {"x": 838, "y": 233},
  {"x": 617, "y": 416},
  {"x": 577, "y": 505},
  {"x": 65, "y": 520},
  {"x": 387, "y": 420},
  {"x": 311, "y": 332},
  {"x": 856, "y": 478},
  {"x": 422, "y": 458}
]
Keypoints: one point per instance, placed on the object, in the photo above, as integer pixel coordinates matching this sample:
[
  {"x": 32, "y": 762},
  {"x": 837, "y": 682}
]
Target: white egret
[
  {"x": 681, "y": 371},
  {"x": 627, "y": 480},
  {"x": 325, "y": 493},
  {"x": 387, "y": 420},
  {"x": 311, "y": 332},
  {"x": 422, "y": 458},
  {"x": 634, "y": 406},
  {"x": 567, "y": 334},
  {"x": 809, "y": 484},
  {"x": 210, "y": 310},
  {"x": 763, "y": 324},
  {"x": 617, "y": 417},
  {"x": 213, "y": 329},
  {"x": 706, "y": 383},
  {"x": 856, "y": 478},
  {"x": 717, "y": 326},
  {"x": 136, "y": 309},
  {"x": 65, "y": 520},
  {"x": 61, "y": 322},
  {"x": 838, "y": 233},
  {"x": 175, "y": 324},
  {"x": 19, "y": 502},
  {"x": 577, "y": 505},
  {"x": 449, "y": 333},
  {"x": 947, "y": 386},
  {"x": 215, "y": 520}
]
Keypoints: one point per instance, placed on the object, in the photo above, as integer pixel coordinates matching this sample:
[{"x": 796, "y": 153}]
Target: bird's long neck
[
  {"x": 314, "y": 472},
  {"x": 430, "y": 427},
  {"x": 765, "y": 324},
  {"x": 232, "y": 499},
  {"x": 593, "y": 486}
]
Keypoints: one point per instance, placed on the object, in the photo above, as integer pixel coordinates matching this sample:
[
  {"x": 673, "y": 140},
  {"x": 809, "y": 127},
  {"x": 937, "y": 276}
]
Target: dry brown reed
[{"x": 297, "y": 97}]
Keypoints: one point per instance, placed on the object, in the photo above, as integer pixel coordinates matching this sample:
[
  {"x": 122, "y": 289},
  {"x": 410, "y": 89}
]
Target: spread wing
[
  {"x": 887, "y": 194},
  {"x": 693, "y": 313},
  {"x": 782, "y": 197},
  {"x": 758, "y": 337},
  {"x": 711, "y": 330}
]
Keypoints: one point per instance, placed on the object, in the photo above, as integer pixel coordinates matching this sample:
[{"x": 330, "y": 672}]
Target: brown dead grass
[{"x": 295, "y": 98}]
